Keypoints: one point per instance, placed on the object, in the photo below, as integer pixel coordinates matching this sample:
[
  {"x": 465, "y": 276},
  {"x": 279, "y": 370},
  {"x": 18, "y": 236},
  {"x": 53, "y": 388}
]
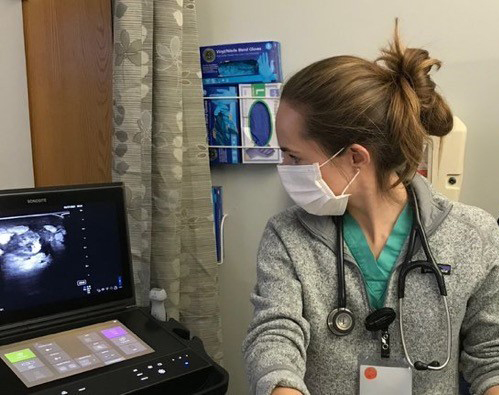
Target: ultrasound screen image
[
  {"x": 57, "y": 255},
  {"x": 29, "y": 245}
]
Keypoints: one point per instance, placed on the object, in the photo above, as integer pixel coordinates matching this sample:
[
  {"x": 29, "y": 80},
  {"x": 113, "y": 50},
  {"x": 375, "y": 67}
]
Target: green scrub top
[{"x": 377, "y": 272}]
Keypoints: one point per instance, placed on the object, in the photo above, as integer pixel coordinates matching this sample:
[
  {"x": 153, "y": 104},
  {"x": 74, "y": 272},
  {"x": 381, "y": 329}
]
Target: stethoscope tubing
[
  {"x": 432, "y": 265},
  {"x": 407, "y": 266}
]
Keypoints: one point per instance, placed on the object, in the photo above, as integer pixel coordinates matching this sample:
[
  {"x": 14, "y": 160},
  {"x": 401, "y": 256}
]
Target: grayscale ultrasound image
[{"x": 29, "y": 245}]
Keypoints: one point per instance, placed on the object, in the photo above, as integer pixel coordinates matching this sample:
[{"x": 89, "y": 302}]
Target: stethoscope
[{"x": 341, "y": 321}]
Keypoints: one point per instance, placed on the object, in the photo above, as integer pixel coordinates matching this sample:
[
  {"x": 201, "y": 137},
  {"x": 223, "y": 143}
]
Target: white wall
[
  {"x": 16, "y": 164},
  {"x": 463, "y": 34}
]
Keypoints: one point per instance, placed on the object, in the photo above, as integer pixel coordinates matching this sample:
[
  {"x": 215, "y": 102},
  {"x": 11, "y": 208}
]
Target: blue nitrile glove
[{"x": 265, "y": 69}]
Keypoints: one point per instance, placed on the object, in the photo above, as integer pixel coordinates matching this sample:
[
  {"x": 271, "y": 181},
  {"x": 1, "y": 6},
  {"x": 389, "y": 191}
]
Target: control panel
[{"x": 146, "y": 375}]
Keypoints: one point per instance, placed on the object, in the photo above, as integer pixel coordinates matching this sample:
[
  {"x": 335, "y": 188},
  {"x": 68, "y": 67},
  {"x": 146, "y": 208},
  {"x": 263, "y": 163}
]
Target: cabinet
[{"x": 69, "y": 68}]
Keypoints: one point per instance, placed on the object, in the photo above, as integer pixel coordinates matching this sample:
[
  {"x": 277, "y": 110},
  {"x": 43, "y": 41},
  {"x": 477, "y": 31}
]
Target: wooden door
[{"x": 69, "y": 67}]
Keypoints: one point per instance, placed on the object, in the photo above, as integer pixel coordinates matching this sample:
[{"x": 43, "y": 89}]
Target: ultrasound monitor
[
  {"x": 62, "y": 251},
  {"x": 68, "y": 319}
]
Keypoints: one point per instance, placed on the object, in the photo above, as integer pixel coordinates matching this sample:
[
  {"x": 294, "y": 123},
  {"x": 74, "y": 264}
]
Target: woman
[{"x": 348, "y": 125}]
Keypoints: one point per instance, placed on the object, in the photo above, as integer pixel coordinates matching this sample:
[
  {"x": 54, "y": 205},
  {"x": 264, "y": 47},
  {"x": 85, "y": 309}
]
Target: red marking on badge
[{"x": 370, "y": 373}]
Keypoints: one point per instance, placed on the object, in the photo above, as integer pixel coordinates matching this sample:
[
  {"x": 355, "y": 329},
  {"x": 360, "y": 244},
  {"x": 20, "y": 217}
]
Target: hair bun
[{"x": 410, "y": 67}]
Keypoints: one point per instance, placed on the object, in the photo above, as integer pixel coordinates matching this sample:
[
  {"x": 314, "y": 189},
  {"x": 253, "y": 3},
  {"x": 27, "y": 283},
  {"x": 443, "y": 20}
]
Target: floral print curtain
[{"x": 160, "y": 153}]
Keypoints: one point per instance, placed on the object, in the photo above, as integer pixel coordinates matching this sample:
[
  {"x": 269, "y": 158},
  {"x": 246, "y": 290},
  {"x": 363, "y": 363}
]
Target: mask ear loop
[
  {"x": 351, "y": 181},
  {"x": 332, "y": 157}
]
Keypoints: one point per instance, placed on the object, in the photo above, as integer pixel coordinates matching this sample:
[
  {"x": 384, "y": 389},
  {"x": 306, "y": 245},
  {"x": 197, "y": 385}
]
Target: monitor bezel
[{"x": 114, "y": 192}]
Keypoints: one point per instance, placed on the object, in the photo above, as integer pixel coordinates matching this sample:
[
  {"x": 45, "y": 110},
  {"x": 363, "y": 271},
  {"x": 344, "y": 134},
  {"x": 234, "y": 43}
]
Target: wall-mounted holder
[
  {"x": 219, "y": 218},
  {"x": 222, "y": 250},
  {"x": 240, "y": 122}
]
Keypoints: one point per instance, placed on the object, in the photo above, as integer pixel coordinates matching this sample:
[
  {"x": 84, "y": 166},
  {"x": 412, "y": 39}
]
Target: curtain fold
[{"x": 160, "y": 153}]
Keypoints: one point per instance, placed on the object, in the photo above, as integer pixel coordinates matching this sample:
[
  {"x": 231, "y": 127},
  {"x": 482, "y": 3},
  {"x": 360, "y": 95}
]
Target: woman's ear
[{"x": 359, "y": 156}]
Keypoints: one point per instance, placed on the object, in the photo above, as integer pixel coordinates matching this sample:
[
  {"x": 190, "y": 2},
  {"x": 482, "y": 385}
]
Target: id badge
[{"x": 384, "y": 376}]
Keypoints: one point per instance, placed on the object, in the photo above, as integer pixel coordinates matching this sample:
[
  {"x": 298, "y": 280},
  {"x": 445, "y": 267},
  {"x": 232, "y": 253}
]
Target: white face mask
[{"x": 308, "y": 190}]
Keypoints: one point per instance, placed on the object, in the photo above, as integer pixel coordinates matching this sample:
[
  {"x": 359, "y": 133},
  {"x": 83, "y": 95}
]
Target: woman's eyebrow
[{"x": 286, "y": 149}]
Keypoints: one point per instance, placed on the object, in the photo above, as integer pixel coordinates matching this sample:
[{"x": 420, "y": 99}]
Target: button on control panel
[
  {"x": 148, "y": 374},
  {"x": 161, "y": 368}
]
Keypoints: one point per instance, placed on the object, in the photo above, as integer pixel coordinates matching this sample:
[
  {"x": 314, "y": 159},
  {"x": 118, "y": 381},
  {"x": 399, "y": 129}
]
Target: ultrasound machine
[{"x": 68, "y": 319}]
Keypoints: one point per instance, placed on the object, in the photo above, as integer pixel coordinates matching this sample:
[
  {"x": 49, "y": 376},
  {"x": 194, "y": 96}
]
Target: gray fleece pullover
[{"x": 289, "y": 343}]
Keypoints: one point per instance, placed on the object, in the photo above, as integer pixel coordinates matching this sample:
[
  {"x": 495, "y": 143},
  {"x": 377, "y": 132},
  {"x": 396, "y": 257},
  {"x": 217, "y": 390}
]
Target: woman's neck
[{"x": 376, "y": 213}]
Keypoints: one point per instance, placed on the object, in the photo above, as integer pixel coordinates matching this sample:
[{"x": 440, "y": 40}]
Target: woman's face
[
  {"x": 299, "y": 150},
  {"x": 296, "y": 148}
]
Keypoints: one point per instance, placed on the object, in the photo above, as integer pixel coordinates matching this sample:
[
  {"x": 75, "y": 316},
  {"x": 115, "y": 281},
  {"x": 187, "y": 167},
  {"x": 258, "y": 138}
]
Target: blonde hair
[{"x": 389, "y": 105}]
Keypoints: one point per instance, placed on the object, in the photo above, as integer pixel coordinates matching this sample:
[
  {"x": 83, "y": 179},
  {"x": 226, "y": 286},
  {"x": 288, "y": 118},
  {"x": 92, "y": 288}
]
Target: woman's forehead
[
  {"x": 291, "y": 134},
  {"x": 290, "y": 125}
]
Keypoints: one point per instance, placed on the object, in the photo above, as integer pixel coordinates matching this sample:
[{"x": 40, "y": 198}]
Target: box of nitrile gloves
[
  {"x": 258, "y": 105},
  {"x": 243, "y": 63},
  {"x": 222, "y": 123}
]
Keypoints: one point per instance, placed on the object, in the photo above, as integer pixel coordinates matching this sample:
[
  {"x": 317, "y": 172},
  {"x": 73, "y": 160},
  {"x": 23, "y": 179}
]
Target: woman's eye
[{"x": 290, "y": 159}]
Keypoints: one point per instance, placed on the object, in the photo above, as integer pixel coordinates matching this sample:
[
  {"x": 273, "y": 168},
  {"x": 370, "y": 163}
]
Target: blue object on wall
[
  {"x": 242, "y": 63},
  {"x": 217, "y": 218},
  {"x": 238, "y": 68},
  {"x": 260, "y": 122},
  {"x": 222, "y": 123}
]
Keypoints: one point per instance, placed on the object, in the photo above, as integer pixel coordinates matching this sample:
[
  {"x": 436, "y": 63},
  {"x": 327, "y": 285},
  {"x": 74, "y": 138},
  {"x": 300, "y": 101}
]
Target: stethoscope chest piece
[{"x": 340, "y": 321}]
